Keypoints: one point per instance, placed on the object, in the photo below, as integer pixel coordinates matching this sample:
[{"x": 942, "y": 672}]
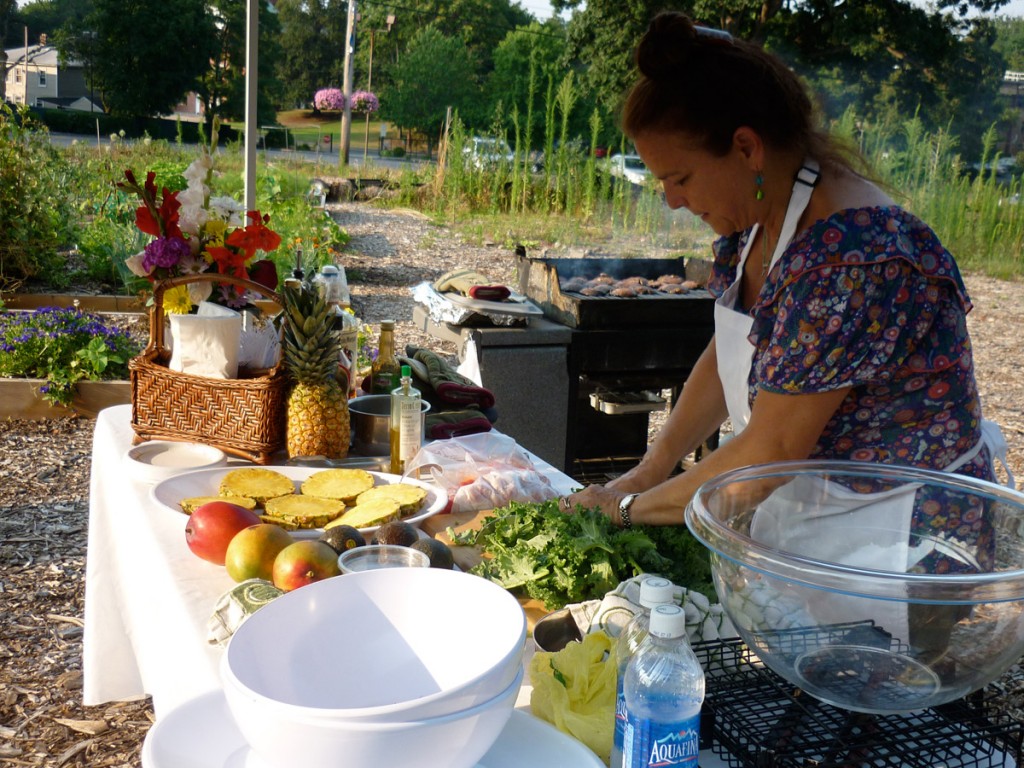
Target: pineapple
[{"x": 318, "y": 419}]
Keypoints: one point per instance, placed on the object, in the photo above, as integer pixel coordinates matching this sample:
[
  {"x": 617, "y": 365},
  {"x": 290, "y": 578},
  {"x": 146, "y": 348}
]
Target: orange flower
[{"x": 256, "y": 236}]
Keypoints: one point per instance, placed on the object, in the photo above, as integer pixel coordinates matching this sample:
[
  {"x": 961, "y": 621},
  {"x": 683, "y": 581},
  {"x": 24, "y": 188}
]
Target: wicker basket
[{"x": 244, "y": 416}]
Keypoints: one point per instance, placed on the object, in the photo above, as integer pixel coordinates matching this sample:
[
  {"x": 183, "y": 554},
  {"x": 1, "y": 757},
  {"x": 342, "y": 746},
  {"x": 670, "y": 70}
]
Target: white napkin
[
  {"x": 206, "y": 344},
  {"x": 261, "y": 343}
]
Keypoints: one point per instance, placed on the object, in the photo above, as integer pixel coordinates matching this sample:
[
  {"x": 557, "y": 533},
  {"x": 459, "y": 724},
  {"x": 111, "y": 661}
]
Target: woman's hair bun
[{"x": 667, "y": 45}]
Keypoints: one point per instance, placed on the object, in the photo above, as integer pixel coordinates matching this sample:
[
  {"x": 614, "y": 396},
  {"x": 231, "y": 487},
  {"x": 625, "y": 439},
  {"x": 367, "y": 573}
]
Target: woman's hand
[{"x": 601, "y": 497}]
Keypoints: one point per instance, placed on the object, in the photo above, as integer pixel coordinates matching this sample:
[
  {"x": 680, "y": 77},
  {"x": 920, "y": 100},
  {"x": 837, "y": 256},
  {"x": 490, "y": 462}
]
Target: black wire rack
[{"x": 753, "y": 718}]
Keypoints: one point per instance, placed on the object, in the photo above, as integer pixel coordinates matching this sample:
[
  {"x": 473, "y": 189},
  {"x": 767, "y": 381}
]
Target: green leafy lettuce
[{"x": 536, "y": 550}]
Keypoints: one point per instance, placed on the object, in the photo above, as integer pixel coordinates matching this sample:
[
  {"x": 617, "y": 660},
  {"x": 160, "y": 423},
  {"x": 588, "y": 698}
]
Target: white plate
[
  {"x": 156, "y": 460},
  {"x": 202, "y": 734},
  {"x": 205, "y": 482}
]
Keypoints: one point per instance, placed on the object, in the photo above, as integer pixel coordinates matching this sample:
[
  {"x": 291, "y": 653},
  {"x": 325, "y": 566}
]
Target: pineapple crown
[{"x": 311, "y": 346}]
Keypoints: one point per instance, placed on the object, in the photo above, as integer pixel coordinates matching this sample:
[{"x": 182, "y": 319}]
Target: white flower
[
  {"x": 192, "y": 215},
  {"x": 227, "y": 209},
  {"x": 197, "y": 170},
  {"x": 199, "y": 292},
  {"x": 134, "y": 264}
]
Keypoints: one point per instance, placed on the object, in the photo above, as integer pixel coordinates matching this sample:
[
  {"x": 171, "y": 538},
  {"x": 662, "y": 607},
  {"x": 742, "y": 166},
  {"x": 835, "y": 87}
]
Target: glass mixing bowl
[{"x": 874, "y": 588}]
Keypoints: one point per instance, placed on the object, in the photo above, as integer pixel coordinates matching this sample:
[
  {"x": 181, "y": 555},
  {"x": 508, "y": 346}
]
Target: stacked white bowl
[{"x": 405, "y": 667}]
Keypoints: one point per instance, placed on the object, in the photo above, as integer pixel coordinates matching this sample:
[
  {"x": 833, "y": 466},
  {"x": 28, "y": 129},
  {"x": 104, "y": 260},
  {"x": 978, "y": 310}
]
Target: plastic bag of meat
[{"x": 481, "y": 471}]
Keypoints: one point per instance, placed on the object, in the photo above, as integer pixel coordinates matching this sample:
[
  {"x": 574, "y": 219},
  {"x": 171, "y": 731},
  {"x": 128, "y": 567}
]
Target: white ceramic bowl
[
  {"x": 394, "y": 644},
  {"x": 156, "y": 460},
  {"x": 455, "y": 740}
]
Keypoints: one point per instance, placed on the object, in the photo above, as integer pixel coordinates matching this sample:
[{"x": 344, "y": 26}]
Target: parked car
[
  {"x": 484, "y": 151},
  {"x": 629, "y": 167}
]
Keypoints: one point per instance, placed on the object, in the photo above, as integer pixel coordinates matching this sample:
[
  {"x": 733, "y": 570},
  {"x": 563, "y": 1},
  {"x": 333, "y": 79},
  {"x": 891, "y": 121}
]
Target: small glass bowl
[{"x": 374, "y": 556}]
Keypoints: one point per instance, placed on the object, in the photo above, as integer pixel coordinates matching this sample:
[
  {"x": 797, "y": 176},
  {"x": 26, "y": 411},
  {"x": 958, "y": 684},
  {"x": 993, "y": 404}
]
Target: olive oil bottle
[
  {"x": 406, "y": 423},
  {"x": 386, "y": 370}
]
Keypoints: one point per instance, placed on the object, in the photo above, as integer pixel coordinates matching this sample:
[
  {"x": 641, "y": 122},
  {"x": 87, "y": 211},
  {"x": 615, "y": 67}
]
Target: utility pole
[{"x": 346, "y": 115}]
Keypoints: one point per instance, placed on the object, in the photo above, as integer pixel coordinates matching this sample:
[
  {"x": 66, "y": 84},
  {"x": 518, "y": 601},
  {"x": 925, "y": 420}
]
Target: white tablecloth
[{"x": 147, "y": 597}]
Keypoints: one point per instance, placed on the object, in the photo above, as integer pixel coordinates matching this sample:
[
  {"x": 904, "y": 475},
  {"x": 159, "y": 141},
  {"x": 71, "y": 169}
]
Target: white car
[
  {"x": 484, "y": 151},
  {"x": 629, "y": 167}
]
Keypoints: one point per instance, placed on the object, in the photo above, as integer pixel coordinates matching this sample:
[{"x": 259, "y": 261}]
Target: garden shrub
[{"x": 34, "y": 208}]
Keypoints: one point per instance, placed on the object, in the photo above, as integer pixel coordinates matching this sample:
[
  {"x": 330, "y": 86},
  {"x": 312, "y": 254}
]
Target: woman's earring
[{"x": 759, "y": 192}]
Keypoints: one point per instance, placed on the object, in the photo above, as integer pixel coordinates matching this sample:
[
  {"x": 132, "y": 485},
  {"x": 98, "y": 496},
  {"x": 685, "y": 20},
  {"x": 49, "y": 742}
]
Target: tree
[
  {"x": 534, "y": 51},
  {"x": 1010, "y": 42},
  {"x": 434, "y": 73},
  {"x": 312, "y": 48},
  {"x": 7, "y": 9},
  {"x": 222, "y": 86},
  {"x": 150, "y": 55},
  {"x": 886, "y": 57}
]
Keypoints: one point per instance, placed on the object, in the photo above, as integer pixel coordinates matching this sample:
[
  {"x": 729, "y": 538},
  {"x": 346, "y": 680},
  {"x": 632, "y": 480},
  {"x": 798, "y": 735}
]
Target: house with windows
[{"x": 39, "y": 77}]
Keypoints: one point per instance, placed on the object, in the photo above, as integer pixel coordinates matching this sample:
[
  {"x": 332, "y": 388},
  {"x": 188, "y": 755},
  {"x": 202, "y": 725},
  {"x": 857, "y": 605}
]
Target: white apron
[{"x": 805, "y": 505}]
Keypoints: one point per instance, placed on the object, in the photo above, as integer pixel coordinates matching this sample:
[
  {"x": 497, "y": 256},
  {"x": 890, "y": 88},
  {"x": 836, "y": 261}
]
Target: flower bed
[{"x": 52, "y": 351}]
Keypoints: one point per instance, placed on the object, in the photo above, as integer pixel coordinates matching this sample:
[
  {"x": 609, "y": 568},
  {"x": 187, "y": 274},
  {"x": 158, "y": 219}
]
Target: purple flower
[
  {"x": 329, "y": 98},
  {"x": 364, "y": 102},
  {"x": 165, "y": 252}
]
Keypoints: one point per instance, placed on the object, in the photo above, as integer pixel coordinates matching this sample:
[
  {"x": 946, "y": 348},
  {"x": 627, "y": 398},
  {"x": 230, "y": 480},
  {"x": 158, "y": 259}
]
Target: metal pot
[{"x": 371, "y": 424}]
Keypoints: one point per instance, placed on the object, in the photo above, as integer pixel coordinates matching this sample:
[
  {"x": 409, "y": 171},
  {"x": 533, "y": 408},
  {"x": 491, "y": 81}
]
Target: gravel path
[{"x": 44, "y": 468}]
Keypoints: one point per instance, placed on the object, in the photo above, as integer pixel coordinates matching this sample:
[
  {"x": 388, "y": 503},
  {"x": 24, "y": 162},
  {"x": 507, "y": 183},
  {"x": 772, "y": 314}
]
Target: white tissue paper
[
  {"x": 261, "y": 342},
  {"x": 206, "y": 343}
]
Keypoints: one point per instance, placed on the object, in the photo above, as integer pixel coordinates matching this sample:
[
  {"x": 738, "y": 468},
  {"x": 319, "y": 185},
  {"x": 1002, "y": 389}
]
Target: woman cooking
[{"x": 840, "y": 320}]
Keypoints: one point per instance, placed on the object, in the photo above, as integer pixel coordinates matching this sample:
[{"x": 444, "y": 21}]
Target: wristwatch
[{"x": 624, "y": 504}]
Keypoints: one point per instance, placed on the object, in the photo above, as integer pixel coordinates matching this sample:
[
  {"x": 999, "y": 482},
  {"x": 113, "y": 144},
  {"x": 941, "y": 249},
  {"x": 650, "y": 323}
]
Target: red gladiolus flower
[
  {"x": 256, "y": 236},
  {"x": 228, "y": 261}
]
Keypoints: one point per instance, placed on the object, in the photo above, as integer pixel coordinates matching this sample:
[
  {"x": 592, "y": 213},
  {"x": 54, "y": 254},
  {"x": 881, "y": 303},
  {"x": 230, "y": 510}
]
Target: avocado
[
  {"x": 440, "y": 554},
  {"x": 397, "y": 532},
  {"x": 341, "y": 538}
]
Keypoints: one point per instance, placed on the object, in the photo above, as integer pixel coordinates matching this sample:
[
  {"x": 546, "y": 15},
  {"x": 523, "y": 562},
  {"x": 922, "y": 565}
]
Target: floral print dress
[{"x": 869, "y": 299}]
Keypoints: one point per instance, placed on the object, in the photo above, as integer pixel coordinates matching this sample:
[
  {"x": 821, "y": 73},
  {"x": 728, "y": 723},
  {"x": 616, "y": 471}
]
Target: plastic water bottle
[
  {"x": 654, "y": 590},
  {"x": 664, "y": 688}
]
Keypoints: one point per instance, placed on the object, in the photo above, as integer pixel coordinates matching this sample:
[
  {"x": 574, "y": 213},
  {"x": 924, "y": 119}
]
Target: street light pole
[
  {"x": 369, "y": 85},
  {"x": 346, "y": 115}
]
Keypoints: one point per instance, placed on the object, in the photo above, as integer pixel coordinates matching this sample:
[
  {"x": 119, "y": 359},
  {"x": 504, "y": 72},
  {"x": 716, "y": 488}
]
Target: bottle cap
[
  {"x": 329, "y": 270},
  {"x": 387, "y": 325},
  {"x": 668, "y": 621},
  {"x": 406, "y": 372},
  {"x": 655, "y": 590}
]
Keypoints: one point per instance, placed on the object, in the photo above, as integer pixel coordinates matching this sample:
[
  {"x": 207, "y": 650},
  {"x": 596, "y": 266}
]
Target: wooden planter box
[
  {"x": 20, "y": 399},
  {"x": 86, "y": 302}
]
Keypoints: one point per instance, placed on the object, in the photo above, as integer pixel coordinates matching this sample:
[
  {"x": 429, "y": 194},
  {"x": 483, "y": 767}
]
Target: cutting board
[{"x": 467, "y": 557}]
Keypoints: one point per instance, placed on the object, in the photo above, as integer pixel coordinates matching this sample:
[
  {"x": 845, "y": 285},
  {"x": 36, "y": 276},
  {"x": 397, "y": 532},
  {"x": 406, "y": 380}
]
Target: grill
[
  {"x": 623, "y": 352},
  {"x": 752, "y": 718}
]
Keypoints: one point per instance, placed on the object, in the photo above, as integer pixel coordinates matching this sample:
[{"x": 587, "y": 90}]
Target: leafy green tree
[
  {"x": 523, "y": 63},
  {"x": 434, "y": 73},
  {"x": 148, "y": 56},
  {"x": 7, "y": 9},
  {"x": 222, "y": 86},
  {"x": 312, "y": 48},
  {"x": 1009, "y": 42},
  {"x": 885, "y": 58}
]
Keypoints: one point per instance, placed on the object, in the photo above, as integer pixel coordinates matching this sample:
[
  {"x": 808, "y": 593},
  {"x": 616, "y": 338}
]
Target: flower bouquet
[{"x": 195, "y": 234}]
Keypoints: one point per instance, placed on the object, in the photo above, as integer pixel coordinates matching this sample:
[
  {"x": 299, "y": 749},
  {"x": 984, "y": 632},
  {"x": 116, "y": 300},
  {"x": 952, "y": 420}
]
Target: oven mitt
[
  {"x": 444, "y": 424},
  {"x": 471, "y": 283},
  {"x": 450, "y": 386}
]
